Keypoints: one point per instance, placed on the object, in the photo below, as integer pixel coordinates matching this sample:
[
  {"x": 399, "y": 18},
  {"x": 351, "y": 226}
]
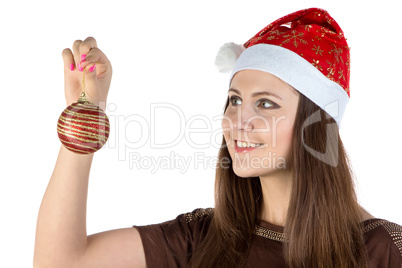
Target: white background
[{"x": 164, "y": 51}]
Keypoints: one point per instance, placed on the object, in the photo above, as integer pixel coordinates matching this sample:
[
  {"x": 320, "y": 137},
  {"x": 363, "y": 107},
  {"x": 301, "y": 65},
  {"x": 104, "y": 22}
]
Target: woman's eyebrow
[{"x": 257, "y": 93}]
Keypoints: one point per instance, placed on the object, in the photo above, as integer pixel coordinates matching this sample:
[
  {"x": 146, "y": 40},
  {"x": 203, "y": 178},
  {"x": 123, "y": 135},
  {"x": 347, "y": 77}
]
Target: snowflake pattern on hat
[{"x": 315, "y": 36}]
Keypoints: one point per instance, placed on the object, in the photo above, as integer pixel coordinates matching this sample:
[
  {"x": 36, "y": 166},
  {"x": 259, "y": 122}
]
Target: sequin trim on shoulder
[
  {"x": 373, "y": 225},
  {"x": 198, "y": 213},
  {"x": 267, "y": 233},
  {"x": 395, "y": 231}
]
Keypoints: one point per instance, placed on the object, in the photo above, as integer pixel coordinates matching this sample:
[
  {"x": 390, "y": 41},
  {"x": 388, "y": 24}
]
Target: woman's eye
[
  {"x": 266, "y": 103},
  {"x": 233, "y": 100}
]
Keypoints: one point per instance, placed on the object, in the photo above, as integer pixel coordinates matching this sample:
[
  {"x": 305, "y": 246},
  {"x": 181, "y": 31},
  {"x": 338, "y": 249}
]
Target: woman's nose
[{"x": 243, "y": 119}]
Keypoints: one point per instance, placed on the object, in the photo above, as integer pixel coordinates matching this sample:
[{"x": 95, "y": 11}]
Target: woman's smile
[{"x": 242, "y": 146}]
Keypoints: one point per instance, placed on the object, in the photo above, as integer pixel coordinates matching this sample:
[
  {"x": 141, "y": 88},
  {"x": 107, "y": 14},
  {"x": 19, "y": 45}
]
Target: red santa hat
[{"x": 307, "y": 49}]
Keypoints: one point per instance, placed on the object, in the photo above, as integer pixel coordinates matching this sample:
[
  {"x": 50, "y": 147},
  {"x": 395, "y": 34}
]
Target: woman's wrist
[{"x": 75, "y": 159}]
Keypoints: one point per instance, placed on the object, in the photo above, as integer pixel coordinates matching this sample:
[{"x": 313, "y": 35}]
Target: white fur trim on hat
[
  {"x": 227, "y": 56},
  {"x": 297, "y": 72}
]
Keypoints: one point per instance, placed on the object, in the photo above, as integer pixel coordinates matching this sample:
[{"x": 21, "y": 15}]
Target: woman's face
[{"x": 261, "y": 110}]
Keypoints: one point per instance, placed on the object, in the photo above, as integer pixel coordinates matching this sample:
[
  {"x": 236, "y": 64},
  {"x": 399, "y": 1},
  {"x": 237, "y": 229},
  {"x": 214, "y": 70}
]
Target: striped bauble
[{"x": 83, "y": 127}]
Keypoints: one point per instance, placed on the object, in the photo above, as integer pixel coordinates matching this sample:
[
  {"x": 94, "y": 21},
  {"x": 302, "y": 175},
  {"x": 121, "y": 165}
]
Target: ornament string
[
  {"x": 83, "y": 97},
  {"x": 83, "y": 81}
]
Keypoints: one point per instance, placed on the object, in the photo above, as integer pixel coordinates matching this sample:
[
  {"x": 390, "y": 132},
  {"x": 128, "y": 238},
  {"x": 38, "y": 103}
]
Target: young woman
[{"x": 284, "y": 188}]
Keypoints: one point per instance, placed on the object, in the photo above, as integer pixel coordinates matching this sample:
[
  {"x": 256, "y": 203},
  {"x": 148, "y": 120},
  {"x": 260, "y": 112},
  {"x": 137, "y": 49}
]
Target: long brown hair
[{"x": 323, "y": 225}]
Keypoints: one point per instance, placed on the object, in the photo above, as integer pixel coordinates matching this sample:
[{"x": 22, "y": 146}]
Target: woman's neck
[{"x": 276, "y": 190}]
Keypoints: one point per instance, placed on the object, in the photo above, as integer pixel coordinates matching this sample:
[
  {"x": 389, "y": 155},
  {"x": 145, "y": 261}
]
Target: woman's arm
[
  {"x": 61, "y": 227},
  {"x": 61, "y": 236}
]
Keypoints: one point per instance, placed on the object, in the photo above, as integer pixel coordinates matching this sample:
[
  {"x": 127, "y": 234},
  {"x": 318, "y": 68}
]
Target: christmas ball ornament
[{"x": 83, "y": 127}]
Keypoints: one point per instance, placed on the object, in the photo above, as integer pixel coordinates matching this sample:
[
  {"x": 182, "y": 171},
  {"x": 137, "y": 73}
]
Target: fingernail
[
  {"x": 72, "y": 66},
  {"x": 83, "y": 58},
  {"x": 92, "y": 68},
  {"x": 79, "y": 67}
]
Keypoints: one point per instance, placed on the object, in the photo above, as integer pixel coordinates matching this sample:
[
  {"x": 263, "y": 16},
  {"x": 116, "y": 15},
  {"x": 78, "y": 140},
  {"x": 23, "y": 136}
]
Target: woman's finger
[
  {"x": 95, "y": 55},
  {"x": 68, "y": 60},
  {"x": 88, "y": 44},
  {"x": 76, "y": 51},
  {"x": 82, "y": 49}
]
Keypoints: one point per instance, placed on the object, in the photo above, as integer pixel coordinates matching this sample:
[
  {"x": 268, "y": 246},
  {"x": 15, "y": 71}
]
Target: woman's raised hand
[{"x": 97, "y": 68}]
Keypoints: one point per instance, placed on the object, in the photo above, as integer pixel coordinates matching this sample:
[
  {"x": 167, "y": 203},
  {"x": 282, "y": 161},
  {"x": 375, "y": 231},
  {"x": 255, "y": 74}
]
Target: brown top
[{"x": 169, "y": 244}]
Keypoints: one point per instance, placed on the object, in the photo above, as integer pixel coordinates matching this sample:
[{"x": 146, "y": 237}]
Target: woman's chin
[{"x": 245, "y": 173}]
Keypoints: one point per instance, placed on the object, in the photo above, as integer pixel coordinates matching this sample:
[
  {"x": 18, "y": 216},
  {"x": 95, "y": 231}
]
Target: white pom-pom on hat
[{"x": 227, "y": 56}]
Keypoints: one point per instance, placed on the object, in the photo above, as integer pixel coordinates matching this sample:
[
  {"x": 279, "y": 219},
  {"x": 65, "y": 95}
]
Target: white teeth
[{"x": 246, "y": 144}]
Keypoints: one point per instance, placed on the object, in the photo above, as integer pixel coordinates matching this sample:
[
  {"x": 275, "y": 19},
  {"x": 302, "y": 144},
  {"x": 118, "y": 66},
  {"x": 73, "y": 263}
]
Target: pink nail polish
[
  {"x": 92, "y": 68},
  {"x": 79, "y": 67},
  {"x": 83, "y": 56},
  {"x": 72, "y": 66}
]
